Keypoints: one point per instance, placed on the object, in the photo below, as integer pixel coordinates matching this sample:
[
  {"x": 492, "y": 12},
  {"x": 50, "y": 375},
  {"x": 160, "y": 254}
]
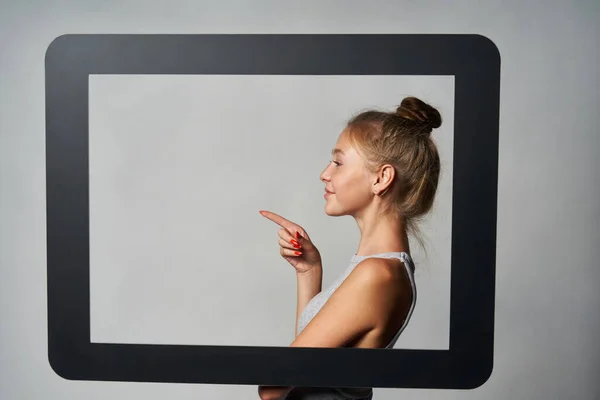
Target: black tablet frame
[{"x": 473, "y": 60}]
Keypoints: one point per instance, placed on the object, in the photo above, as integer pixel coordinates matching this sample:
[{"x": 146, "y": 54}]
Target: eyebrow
[{"x": 336, "y": 150}]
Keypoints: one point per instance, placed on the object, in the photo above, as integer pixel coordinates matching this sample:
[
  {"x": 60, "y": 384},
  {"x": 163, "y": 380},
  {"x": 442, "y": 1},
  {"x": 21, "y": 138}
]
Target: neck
[{"x": 380, "y": 234}]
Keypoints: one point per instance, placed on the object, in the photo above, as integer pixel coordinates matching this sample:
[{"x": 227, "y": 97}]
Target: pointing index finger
[{"x": 279, "y": 220}]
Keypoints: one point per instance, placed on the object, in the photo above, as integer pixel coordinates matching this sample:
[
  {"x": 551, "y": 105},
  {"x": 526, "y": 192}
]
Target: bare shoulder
[
  {"x": 384, "y": 285},
  {"x": 379, "y": 271},
  {"x": 379, "y": 278}
]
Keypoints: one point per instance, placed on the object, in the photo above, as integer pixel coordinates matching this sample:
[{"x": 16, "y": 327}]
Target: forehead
[
  {"x": 344, "y": 148},
  {"x": 342, "y": 144}
]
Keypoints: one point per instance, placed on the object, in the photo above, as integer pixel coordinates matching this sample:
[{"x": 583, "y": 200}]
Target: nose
[{"x": 325, "y": 174}]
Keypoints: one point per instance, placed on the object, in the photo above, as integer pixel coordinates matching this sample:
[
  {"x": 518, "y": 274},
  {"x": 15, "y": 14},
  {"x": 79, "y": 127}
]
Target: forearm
[{"x": 308, "y": 285}]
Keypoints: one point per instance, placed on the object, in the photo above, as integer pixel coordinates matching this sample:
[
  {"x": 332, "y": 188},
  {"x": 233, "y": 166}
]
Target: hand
[
  {"x": 292, "y": 239},
  {"x": 273, "y": 392}
]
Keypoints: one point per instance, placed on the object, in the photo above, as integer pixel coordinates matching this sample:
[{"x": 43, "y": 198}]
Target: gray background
[
  {"x": 547, "y": 319},
  {"x": 179, "y": 167}
]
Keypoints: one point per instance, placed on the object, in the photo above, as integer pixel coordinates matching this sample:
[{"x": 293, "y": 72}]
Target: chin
[{"x": 333, "y": 213}]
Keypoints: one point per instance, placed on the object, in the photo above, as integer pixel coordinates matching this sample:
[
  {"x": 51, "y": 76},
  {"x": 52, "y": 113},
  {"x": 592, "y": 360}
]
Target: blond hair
[{"x": 401, "y": 139}]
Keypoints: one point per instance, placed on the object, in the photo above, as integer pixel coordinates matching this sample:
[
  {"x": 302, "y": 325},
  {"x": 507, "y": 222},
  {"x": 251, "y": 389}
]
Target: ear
[{"x": 383, "y": 179}]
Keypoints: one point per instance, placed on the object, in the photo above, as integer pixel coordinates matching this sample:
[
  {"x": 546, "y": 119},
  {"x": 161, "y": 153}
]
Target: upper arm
[{"x": 353, "y": 310}]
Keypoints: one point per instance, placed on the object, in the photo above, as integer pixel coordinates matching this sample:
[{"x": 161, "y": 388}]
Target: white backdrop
[{"x": 547, "y": 321}]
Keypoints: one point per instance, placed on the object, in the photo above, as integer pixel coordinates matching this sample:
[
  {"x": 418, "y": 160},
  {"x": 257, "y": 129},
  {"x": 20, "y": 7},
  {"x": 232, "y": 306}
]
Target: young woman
[{"x": 384, "y": 172}]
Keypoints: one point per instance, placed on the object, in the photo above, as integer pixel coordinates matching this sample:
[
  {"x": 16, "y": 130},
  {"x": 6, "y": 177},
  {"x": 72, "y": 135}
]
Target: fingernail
[
  {"x": 297, "y": 253},
  {"x": 297, "y": 235},
  {"x": 295, "y": 243}
]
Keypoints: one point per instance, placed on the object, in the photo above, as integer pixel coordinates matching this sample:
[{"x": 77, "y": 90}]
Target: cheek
[{"x": 351, "y": 188}]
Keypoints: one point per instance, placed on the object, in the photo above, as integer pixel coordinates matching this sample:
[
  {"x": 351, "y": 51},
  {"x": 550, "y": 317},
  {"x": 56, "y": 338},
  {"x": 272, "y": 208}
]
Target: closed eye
[{"x": 336, "y": 163}]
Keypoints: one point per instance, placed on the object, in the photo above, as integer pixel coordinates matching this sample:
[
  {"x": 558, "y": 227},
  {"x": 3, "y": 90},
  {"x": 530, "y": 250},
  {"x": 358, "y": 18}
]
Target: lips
[{"x": 328, "y": 191}]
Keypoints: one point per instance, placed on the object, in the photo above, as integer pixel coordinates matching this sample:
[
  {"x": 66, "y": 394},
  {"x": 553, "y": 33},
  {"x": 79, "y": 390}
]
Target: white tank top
[
  {"x": 317, "y": 302},
  {"x": 315, "y": 305}
]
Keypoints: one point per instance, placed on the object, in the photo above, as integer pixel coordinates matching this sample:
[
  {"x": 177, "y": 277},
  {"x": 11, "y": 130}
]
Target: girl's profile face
[{"x": 347, "y": 178}]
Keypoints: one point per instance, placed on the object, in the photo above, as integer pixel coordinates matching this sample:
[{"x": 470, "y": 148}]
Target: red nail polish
[
  {"x": 297, "y": 235},
  {"x": 297, "y": 253}
]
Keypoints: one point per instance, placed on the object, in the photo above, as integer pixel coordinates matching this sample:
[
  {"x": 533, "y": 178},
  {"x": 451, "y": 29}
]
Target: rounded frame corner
[
  {"x": 489, "y": 47},
  {"x": 479, "y": 375},
  {"x": 57, "y": 44},
  {"x": 60, "y": 368}
]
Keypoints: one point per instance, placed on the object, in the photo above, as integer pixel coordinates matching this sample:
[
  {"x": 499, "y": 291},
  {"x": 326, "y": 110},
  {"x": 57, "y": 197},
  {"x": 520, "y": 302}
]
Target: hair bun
[{"x": 416, "y": 110}]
